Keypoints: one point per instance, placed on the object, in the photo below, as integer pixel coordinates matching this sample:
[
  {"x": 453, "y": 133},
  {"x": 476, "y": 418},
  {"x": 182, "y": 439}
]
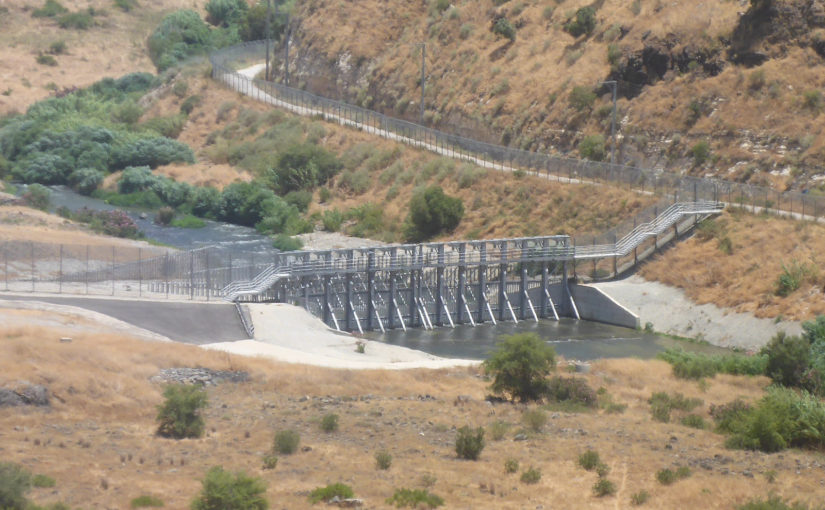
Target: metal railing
[{"x": 564, "y": 169}]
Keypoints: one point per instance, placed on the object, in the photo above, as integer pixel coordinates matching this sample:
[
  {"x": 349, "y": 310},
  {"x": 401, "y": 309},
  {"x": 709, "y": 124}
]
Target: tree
[
  {"x": 223, "y": 13},
  {"x": 224, "y": 491},
  {"x": 592, "y": 147},
  {"x": 14, "y": 483},
  {"x": 788, "y": 359},
  {"x": 179, "y": 416},
  {"x": 431, "y": 212},
  {"x": 520, "y": 366}
]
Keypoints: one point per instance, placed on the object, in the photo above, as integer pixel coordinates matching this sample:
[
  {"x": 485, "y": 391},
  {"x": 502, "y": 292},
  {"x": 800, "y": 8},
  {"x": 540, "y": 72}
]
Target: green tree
[
  {"x": 788, "y": 359},
  {"x": 432, "y": 212},
  {"x": 180, "y": 414},
  {"x": 520, "y": 366},
  {"x": 592, "y": 147},
  {"x": 14, "y": 483},
  {"x": 223, "y": 13},
  {"x": 584, "y": 22},
  {"x": 224, "y": 491}
]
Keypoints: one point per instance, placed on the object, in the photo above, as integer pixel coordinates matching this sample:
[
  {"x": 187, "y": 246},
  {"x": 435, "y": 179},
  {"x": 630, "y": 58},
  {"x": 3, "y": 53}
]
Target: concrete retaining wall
[{"x": 595, "y": 305}]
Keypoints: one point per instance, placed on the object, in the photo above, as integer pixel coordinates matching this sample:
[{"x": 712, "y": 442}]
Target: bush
[
  {"x": 497, "y": 430},
  {"x": 792, "y": 277},
  {"x": 504, "y": 28},
  {"x": 85, "y": 180},
  {"x": 335, "y": 490},
  {"x": 571, "y": 389},
  {"x": 223, "y": 491},
  {"x": 302, "y": 167},
  {"x": 604, "y": 487},
  {"x": 329, "y": 423},
  {"x": 151, "y": 152},
  {"x": 126, "y": 5},
  {"x": 180, "y": 414},
  {"x": 165, "y": 215},
  {"x": 414, "y": 498},
  {"x": 510, "y": 466},
  {"x": 728, "y": 417},
  {"x": 520, "y": 365},
  {"x": 468, "y": 444},
  {"x": 773, "y": 502},
  {"x": 170, "y": 126},
  {"x": 223, "y": 13},
  {"x": 146, "y": 501},
  {"x": 50, "y": 9},
  {"x": 589, "y": 460},
  {"x": 46, "y": 60},
  {"x": 639, "y": 498},
  {"x": 43, "y": 481},
  {"x": 286, "y": 442},
  {"x": 531, "y": 476},
  {"x": 812, "y": 100},
  {"x": 694, "y": 421},
  {"x": 300, "y": 199},
  {"x": 383, "y": 460},
  {"x": 284, "y": 242},
  {"x": 188, "y": 106},
  {"x": 668, "y": 477},
  {"x": 788, "y": 359},
  {"x": 432, "y": 212},
  {"x": 694, "y": 365},
  {"x": 534, "y": 419},
  {"x": 245, "y": 203},
  {"x": 179, "y": 35},
  {"x": 14, "y": 484},
  {"x": 76, "y": 20},
  {"x": 583, "y": 23},
  {"x": 592, "y": 147},
  {"x": 700, "y": 152},
  {"x": 128, "y": 112},
  {"x": 37, "y": 196},
  {"x": 332, "y": 220},
  {"x": 581, "y": 98},
  {"x": 270, "y": 461}
]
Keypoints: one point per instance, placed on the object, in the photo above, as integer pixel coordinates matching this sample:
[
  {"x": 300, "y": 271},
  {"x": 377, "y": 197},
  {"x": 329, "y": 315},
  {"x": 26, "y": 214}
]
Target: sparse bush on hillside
[
  {"x": 81, "y": 20},
  {"x": 773, "y": 502},
  {"x": 589, "y": 460},
  {"x": 45, "y": 59},
  {"x": 14, "y": 484},
  {"x": 180, "y": 414},
  {"x": 223, "y": 13},
  {"x": 126, "y": 5},
  {"x": 224, "y": 491},
  {"x": 335, "y": 490},
  {"x": 604, "y": 487},
  {"x": 788, "y": 359},
  {"x": 700, "y": 152},
  {"x": 668, "y": 476},
  {"x": 50, "y": 9},
  {"x": 534, "y": 419},
  {"x": 581, "y": 98},
  {"x": 414, "y": 498},
  {"x": 302, "y": 167},
  {"x": 286, "y": 442},
  {"x": 383, "y": 460},
  {"x": 584, "y": 22},
  {"x": 146, "y": 501},
  {"x": 574, "y": 390},
  {"x": 695, "y": 365},
  {"x": 179, "y": 35},
  {"x": 436, "y": 7},
  {"x": 792, "y": 277},
  {"x": 592, "y": 147},
  {"x": 520, "y": 366},
  {"x": 812, "y": 100},
  {"x": 510, "y": 466},
  {"x": 531, "y": 476},
  {"x": 329, "y": 423},
  {"x": 504, "y": 28},
  {"x": 469, "y": 443},
  {"x": 431, "y": 213}
]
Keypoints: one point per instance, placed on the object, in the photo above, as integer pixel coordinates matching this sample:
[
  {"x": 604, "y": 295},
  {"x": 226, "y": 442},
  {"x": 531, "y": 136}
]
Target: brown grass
[{"x": 101, "y": 426}]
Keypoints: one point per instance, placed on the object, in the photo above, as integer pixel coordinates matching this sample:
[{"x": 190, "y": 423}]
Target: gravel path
[{"x": 672, "y": 312}]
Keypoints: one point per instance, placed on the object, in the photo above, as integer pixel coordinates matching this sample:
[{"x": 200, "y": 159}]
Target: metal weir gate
[{"x": 422, "y": 285}]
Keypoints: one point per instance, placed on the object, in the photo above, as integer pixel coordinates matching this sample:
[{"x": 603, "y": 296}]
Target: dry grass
[
  {"x": 101, "y": 426},
  {"x": 746, "y": 280}
]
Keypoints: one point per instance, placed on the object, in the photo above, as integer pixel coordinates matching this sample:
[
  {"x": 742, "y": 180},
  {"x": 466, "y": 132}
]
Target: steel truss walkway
[{"x": 436, "y": 284}]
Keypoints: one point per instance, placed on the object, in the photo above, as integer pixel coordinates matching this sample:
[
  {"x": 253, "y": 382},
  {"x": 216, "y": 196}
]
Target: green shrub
[
  {"x": 614, "y": 54},
  {"x": 547, "y": 12},
  {"x": 383, "y": 460},
  {"x": 534, "y": 419},
  {"x": 37, "y": 196},
  {"x": 221, "y": 490},
  {"x": 604, "y": 487},
  {"x": 14, "y": 484},
  {"x": 189, "y": 105},
  {"x": 165, "y": 215},
  {"x": 179, "y": 35},
  {"x": 639, "y": 498},
  {"x": 285, "y": 242},
  {"x": 531, "y": 476},
  {"x": 223, "y": 13},
  {"x": 589, "y": 460},
  {"x": 469, "y": 443},
  {"x": 50, "y": 9},
  {"x": 180, "y": 88},
  {"x": 602, "y": 469},
  {"x": 592, "y": 147},
  {"x": 302, "y": 166},
  {"x": 498, "y": 429},
  {"x": 300, "y": 199},
  {"x": 729, "y": 417},
  {"x": 700, "y": 152},
  {"x": 510, "y": 466},
  {"x": 431, "y": 213},
  {"x": 812, "y": 100},
  {"x": 324, "y": 195},
  {"x": 583, "y": 23},
  {"x": 85, "y": 180},
  {"x": 46, "y": 60},
  {"x": 270, "y": 461},
  {"x": 126, "y": 5},
  {"x": 519, "y": 366},
  {"x": 581, "y": 98},
  {"x": 180, "y": 414},
  {"x": 145, "y": 501},
  {"x": 504, "y": 28},
  {"x": 788, "y": 359},
  {"x": 694, "y": 365},
  {"x": 286, "y": 442},
  {"x": 792, "y": 277},
  {"x": 332, "y": 220},
  {"x": 329, "y": 423},
  {"x": 466, "y": 30},
  {"x": 668, "y": 477},
  {"x": 414, "y": 498},
  {"x": 694, "y": 421},
  {"x": 571, "y": 389},
  {"x": 773, "y": 502},
  {"x": 128, "y": 112},
  {"x": 42, "y": 481},
  {"x": 76, "y": 20},
  {"x": 436, "y": 7},
  {"x": 188, "y": 221},
  {"x": 357, "y": 182},
  {"x": 339, "y": 490}
]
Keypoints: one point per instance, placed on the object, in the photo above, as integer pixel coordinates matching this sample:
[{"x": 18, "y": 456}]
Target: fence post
[
  {"x": 140, "y": 273},
  {"x": 191, "y": 275},
  {"x": 60, "y": 273},
  {"x": 113, "y": 270},
  {"x": 31, "y": 244},
  {"x": 208, "y": 280},
  {"x": 86, "y": 273}
]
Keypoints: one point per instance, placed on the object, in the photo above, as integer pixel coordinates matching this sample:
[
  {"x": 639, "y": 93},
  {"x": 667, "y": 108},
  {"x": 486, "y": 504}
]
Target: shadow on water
[{"x": 581, "y": 340}]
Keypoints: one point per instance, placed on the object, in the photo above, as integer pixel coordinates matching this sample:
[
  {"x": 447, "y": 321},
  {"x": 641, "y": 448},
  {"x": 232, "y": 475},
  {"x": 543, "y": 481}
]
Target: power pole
[
  {"x": 615, "y": 85},
  {"x": 423, "y": 77},
  {"x": 286, "y": 60},
  {"x": 268, "y": 13}
]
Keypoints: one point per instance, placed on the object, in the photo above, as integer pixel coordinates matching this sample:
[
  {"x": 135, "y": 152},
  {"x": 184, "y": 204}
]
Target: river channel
[{"x": 581, "y": 340}]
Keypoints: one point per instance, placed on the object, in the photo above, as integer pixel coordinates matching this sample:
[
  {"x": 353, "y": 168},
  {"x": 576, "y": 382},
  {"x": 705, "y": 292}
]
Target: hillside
[{"x": 743, "y": 79}]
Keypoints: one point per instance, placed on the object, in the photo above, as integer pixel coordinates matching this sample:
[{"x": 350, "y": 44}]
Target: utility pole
[
  {"x": 423, "y": 77},
  {"x": 268, "y": 13},
  {"x": 286, "y": 59},
  {"x": 615, "y": 85}
]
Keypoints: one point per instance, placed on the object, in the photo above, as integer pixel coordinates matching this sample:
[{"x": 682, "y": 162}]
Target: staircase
[{"x": 264, "y": 280}]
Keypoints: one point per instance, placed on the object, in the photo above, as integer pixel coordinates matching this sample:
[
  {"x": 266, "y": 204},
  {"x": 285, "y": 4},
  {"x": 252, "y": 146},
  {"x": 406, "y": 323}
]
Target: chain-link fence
[{"x": 227, "y": 62}]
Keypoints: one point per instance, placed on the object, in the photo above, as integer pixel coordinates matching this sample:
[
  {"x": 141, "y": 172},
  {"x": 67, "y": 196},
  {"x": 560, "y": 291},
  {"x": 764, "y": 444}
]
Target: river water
[{"x": 582, "y": 340}]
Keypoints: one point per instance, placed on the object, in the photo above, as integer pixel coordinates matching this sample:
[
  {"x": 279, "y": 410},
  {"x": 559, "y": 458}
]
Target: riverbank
[{"x": 670, "y": 311}]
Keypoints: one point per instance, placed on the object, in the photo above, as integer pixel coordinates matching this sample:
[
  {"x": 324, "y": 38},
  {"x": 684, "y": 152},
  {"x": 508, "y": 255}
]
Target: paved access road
[{"x": 192, "y": 323}]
